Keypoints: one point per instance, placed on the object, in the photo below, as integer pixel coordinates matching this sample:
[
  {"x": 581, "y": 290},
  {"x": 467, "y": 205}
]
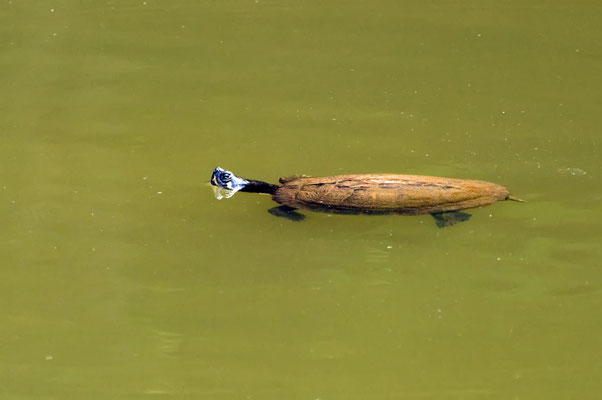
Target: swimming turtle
[{"x": 443, "y": 198}]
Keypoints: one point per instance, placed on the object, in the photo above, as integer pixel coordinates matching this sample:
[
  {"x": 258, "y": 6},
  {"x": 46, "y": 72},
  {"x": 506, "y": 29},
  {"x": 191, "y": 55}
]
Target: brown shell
[{"x": 402, "y": 194}]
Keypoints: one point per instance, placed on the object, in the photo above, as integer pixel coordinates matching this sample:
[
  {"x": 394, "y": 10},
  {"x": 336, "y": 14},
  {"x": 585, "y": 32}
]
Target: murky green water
[{"x": 122, "y": 277}]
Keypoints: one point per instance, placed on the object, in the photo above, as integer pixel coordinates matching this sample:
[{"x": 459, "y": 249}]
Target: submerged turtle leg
[
  {"x": 449, "y": 218},
  {"x": 287, "y": 212}
]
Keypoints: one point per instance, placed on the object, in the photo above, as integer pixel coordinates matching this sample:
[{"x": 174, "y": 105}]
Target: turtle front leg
[
  {"x": 287, "y": 212},
  {"x": 449, "y": 218}
]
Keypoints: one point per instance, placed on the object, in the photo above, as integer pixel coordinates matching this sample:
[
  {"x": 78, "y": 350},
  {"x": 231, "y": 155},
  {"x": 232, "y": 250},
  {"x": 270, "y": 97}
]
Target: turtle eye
[{"x": 226, "y": 177}]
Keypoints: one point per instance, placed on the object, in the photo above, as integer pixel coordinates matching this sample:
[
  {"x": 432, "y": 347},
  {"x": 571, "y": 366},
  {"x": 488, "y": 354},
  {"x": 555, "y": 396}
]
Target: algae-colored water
[{"x": 122, "y": 277}]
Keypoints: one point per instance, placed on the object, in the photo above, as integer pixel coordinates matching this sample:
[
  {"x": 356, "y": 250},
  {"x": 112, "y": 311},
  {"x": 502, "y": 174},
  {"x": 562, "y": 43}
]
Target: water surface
[{"x": 123, "y": 277}]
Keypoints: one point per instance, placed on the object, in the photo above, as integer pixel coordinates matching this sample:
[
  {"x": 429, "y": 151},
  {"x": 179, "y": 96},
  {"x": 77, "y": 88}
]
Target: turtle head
[{"x": 226, "y": 183}]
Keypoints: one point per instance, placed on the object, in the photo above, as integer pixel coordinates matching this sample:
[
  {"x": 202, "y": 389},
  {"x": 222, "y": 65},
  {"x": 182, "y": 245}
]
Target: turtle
[{"x": 375, "y": 194}]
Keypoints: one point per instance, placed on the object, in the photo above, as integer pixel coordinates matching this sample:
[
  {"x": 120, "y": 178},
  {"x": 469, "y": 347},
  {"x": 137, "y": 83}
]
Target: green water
[{"x": 122, "y": 277}]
